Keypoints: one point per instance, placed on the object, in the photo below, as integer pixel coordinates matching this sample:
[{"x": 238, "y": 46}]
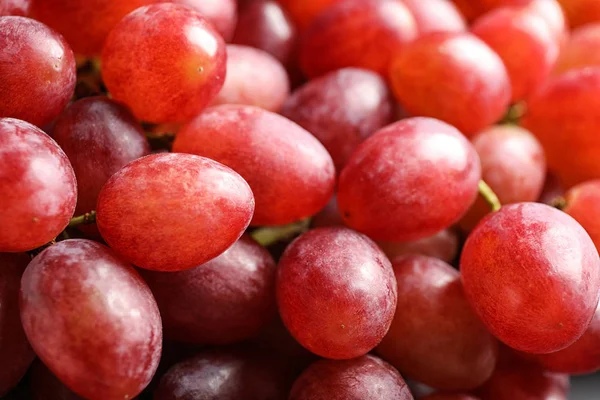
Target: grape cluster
[{"x": 299, "y": 199}]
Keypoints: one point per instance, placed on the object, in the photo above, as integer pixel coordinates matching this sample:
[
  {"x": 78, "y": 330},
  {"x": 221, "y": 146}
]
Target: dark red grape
[
  {"x": 45, "y": 386},
  {"x": 100, "y": 137},
  {"x": 454, "y": 77},
  {"x": 365, "y": 378},
  {"x": 225, "y": 300},
  {"x": 580, "y": 49},
  {"x": 583, "y": 204},
  {"x": 38, "y": 187},
  {"x": 15, "y": 7},
  {"x": 91, "y": 319},
  {"x": 221, "y": 13},
  {"x": 171, "y": 212},
  {"x": 341, "y": 109},
  {"x": 165, "y": 61},
  {"x": 435, "y": 337},
  {"x": 436, "y": 16},
  {"x": 37, "y": 69},
  {"x": 532, "y": 274},
  {"x": 14, "y": 347},
  {"x": 290, "y": 172},
  {"x": 346, "y": 271},
  {"x": 552, "y": 190},
  {"x": 392, "y": 186},
  {"x": 305, "y": 11}
]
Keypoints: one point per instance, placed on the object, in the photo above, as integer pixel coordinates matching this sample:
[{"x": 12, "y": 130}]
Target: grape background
[{"x": 585, "y": 387}]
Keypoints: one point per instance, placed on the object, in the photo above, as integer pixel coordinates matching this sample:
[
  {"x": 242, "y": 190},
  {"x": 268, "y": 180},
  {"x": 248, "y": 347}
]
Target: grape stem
[
  {"x": 559, "y": 203},
  {"x": 271, "y": 235},
  {"x": 87, "y": 218},
  {"x": 489, "y": 196}
]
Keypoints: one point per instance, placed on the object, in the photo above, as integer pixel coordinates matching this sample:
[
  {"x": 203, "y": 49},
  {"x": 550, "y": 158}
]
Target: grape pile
[{"x": 299, "y": 199}]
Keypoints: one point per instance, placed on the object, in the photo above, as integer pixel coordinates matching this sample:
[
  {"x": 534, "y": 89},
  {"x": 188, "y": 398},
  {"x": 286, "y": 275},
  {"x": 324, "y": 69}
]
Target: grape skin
[
  {"x": 15, "y": 7},
  {"x": 221, "y": 13}
]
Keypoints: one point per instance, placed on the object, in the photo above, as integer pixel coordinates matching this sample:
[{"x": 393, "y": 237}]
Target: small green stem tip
[
  {"x": 489, "y": 196},
  {"x": 271, "y": 235},
  {"x": 87, "y": 218}
]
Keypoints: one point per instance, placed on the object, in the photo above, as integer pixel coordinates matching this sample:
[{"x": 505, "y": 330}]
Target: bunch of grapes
[{"x": 299, "y": 199}]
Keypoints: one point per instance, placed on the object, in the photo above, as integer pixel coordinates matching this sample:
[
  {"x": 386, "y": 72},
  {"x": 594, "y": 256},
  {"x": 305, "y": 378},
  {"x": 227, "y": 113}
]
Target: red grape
[
  {"x": 365, "y": 378},
  {"x": 436, "y": 16},
  {"x": 305, "y": 11},
  {"x": 532, "y": 274},
  {"x": 581, "y": 12},
  {"x": 449, "y": 396},
  {"x": 290, "y": 172},
  {"x": 454, "y": 77},
  {"x": 435, "y": 337},
  {"x": 165, "y": 61},
  {"x": 524, "y": 42},
  {"x": 564, "y": 116},
  {"x": 221, "y": 13},
  {"x": 37, "y": 69},
  {"x": 38, "y": 187},
  {"x": 583, "y": 204},
  {"x": 341, "y": 109},
  {"x": 100, "y": 137},
  {"x": 45, "y": 386},
  {"x": 442, "y": 245},
  {"x": 392, "y": 186},
  {"x": 15, "y": 7},
  {"x": 345, "y": 271},
  {"x": 254, "y": 78},
  {"x": 580, "y": 49},
  {"x": 512, "y": 164},
  {"x": 14, "y": 347},
  {"x": 91, "y": 319},
  {"x": 225, "y": 300},
  {"x": 552, "y": 13},
  {"x": 357, "y": 33},
  {"x": 171, "y": 212}
]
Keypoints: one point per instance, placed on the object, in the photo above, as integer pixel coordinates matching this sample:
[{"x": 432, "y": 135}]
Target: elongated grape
[
  {"x": 37, "y": 69},
  {"x": 38, "y": 187},
  {"x": 91, "y": 319},
  {"x": 543, "y": 299},
  {"x": 171, "y": 212}
]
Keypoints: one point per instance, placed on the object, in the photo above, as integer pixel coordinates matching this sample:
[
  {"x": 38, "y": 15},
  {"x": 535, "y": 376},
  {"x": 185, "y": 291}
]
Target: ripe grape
[
  {"x": 512, "y": 164},
  {"x": 15, "y": 7},
  {"x": 165, "y": 61},
  {"x": 254, "y": 78},
  {"x": 100, "y": 137},
  {"x": 37, "y": 69},
  {"x": 346, "y": 271},
  {"x": 171, "y": 212},
  {"x": 580, "y": 49},
  {"x": 443, "y": 245},
  {"x": 91, "y": 319},
  {"x": 524, "y": 42},
  {"x": 436, "y": 16},
  {"x": 532, "y": 274},
  {"x": 341, "y": 109},
  {"x": 435, "y": 337},
  {"x": 14, "y": 347},
  {"x": 45, "y": 386},
  {"x": 449, "y": 396},
  {"x": 38, "y": 187},
  {"x": 290, "y": 172},
  {"x": 304, "y": 12},
  {"x": 582, "y": 203},
  {"x": 365, "y": 378},
  {"x": 225, "y": 300},
  {"x": 221, "y": 13},
  {"x": 392, "y": 186},
  {"x": 454, "y": 77},
  {"x": 564, "y": 116},
  {"x": 357, "y": 33},
  {"x": 581, "y": 12}
]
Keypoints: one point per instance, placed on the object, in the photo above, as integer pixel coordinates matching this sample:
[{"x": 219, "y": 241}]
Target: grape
[
  {"x": 391, "y": 187},
  {"x": 14, "y": 347},
  {"x": 37, "y": 69},
  {"x": 304, "y": 12},
  {"x": 224, "y": 375},
  {"x": 171, "y": 212},
  {"x": 15, "y": 7},
  {"x": 436, "y": 16},
  {"x": 552, "y": 189},
  {"x": 435, "y": 337},
  {"x": 165, "y": 61},
  {"x": 582, "y": 203},
  {"x": 580, "y": 49},
  {"x": 290, "y": 172},
  {"x": 91, "y": 319},
  {"x": 221, "y": 13},
  {"x": 345, "y": 271},
  {"x": 226, "y": 300},
  {"x": 581, "y": 12},
  {"x": 532, "y": 274},
  {"x": 254, "y": 78},
  {"x": 100, "y": 137},
  {"x": 552, "y": 13},
  {"x": 524, "y": 42},
  {"x": 341, "y": 109},
  {"x": 442, "y": 245},
  {"x": 449, "y": 396},
  {"x": 564, "y": 116},
  {"x": 512, "y": 164},
  {"x": 38, "y": 187},
  {"x": 357, "y": 33},
  {"x": 454, "y": 77},
  {"x": 45, "y": 386},
  {"x": 365, "y": 378}
]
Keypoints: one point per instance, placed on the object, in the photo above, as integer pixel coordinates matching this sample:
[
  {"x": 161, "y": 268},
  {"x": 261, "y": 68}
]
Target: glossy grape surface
[
  {"x": 392, "y": 184},
  {"x": 305, "y": 11},
  {"x": 15, "y": 7},
  {"x": 91, "y": 319},
  {"x": 37, "y": 69},
  {"x": 171, "y": 212},
  {"x": 165, "y": 61},
  {"x": 38, "y": 187},
  {"x": 532, "y": 274},
  {"x": 221, "y": 13},
  {"x": 436, "y": 16},
  {"x": 583, "y": 204},
  {"x": 346, "y": 271}
]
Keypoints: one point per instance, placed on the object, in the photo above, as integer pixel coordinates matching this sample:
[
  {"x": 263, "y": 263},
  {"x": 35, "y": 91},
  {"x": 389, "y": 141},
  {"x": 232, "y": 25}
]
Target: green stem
[
  {"x": 87, "y": 218},
  {"x": 559, "y": 203},
  {"x": 489, "y": 196},
  {"x": 271, "y": 235}
]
